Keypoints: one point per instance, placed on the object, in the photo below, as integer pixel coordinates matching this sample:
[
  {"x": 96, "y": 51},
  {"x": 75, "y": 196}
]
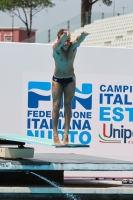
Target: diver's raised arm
[
  {"x": 79, "y": 39},
  {"x": 60, "y": 41}
]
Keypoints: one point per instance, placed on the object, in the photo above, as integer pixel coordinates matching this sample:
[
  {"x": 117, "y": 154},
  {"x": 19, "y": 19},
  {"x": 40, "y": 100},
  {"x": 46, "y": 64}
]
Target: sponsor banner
[
  {"x": 37, "y": 109},
  {"x": 116, "y": 110},
  {"x": 102, "y": 110}
]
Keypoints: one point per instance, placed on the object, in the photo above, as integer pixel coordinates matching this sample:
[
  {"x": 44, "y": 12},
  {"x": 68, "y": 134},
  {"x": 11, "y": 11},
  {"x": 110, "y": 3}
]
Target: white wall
[{"x": 19, "y": 59}]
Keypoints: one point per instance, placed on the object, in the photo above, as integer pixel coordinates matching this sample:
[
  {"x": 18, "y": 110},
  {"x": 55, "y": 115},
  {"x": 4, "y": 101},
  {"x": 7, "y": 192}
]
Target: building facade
[{"x": 16, "y": 34}]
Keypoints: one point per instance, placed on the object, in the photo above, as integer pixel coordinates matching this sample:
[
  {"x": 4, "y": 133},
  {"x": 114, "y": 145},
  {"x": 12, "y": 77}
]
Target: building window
[{"x": 8, "y": 39}]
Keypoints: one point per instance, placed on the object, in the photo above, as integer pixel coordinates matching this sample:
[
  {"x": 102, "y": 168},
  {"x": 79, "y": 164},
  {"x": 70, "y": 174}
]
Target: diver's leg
[
  {"x": 57, "y": 90},
  {"x": 69, "y": 92}
]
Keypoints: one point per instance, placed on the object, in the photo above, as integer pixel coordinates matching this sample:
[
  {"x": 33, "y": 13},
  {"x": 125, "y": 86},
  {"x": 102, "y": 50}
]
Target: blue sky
[{"x": 63, "y": 11}]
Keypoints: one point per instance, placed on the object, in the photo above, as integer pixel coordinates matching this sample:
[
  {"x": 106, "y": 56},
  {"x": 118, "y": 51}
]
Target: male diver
[{"x": 64, "y": 80}]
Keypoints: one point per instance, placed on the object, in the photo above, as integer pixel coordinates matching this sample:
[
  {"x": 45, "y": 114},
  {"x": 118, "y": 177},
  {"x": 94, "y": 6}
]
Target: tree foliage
[
  {"x": 86, "y": 8},
  {"x": 29, "y": 8}
]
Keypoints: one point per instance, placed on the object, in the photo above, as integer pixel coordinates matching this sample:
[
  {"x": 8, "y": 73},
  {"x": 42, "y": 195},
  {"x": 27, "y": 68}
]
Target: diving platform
[
  {"x": 20, "y": 169},
  {"x": 52, "y": 162},
  {"x": 25, "y": 152},
  {"x": 65, "y": 162},
  {"x": 53, "y": 165},
  {"x": 17, "y": 177}
]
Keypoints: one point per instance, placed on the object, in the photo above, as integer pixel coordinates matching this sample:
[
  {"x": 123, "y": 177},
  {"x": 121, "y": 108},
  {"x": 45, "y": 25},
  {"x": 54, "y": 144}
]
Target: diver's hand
[
  {"x": 84, "y": 33},
  {"x": 66, "y": 32}
]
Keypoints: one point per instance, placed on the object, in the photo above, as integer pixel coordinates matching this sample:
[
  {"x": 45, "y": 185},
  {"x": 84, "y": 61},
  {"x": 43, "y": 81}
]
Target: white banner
[{"x": 102, "y": 110}]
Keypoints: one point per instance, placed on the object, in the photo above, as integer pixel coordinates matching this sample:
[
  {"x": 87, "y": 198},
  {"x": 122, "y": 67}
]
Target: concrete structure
[
  {"x": 42, "y": 177},
  {"x": 113, "y": 31},
  {"x": 16, "y": 34}
]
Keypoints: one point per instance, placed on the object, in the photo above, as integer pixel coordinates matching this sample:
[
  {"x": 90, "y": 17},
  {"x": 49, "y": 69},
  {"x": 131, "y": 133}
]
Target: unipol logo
[{"x": 38, "y": 91}]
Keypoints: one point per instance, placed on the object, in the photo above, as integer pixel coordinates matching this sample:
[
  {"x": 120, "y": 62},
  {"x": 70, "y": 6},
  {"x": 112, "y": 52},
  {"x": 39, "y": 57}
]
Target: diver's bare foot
[
  {"x": 56, "y": 140},
  {"x": 66, "y": 140}
]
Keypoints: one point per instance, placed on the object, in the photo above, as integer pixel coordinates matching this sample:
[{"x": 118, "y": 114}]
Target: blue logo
[
  {"x": 38, "y": 91},
  {"x": 39, "y": 122},
  {"x": 84, "y": 97}
]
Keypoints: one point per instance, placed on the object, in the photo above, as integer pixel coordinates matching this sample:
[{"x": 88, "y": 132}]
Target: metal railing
[{"x": 50, "y": 35}]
